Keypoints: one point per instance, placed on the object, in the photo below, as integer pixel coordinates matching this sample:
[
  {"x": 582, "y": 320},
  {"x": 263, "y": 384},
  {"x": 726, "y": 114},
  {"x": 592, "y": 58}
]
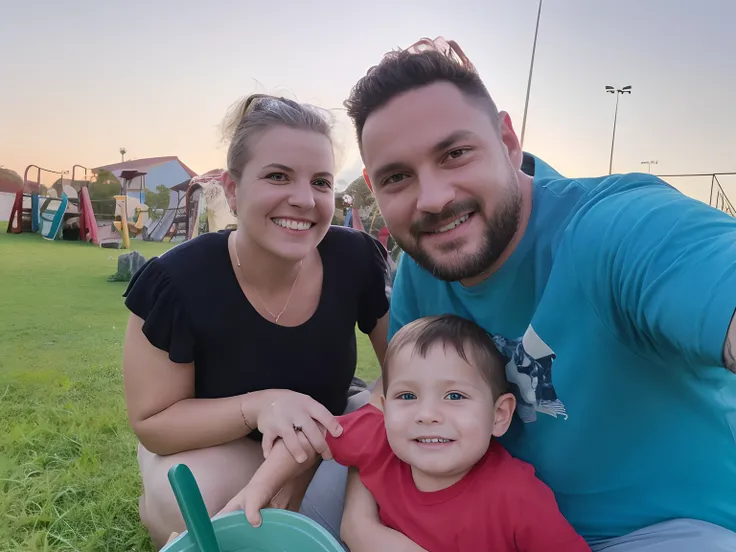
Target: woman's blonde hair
[{"x": 259, "y": 112}]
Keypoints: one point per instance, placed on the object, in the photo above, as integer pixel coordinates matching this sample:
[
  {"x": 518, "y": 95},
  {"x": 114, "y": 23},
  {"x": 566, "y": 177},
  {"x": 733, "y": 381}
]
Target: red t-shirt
[{"x": 499, "y": 506}]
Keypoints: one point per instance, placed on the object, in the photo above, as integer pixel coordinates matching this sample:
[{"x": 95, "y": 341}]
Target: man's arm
[
  {"x": 361, "y": 527},
  {"x": 660, "y": 270}
]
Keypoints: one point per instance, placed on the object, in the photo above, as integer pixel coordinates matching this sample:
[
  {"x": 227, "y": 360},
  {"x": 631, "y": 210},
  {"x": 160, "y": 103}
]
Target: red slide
[{"x": 87, "y": 221}]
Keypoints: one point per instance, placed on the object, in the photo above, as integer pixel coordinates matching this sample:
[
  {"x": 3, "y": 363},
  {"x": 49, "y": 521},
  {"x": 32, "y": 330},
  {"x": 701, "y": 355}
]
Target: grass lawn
[{"x": 68, "y": 471}]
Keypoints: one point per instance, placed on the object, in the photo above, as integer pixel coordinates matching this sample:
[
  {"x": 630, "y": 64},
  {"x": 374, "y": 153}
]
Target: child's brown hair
[{"x": 471, "y": 342}]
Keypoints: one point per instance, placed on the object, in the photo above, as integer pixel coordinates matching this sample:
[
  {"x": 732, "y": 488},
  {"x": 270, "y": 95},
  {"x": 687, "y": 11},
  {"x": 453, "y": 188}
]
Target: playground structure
[
  {"x": 206, "y": 206},
  {"x": 133, "y": 218},
  {"x": 173, "y": 219},
  {"x": 62, "y": 209}
]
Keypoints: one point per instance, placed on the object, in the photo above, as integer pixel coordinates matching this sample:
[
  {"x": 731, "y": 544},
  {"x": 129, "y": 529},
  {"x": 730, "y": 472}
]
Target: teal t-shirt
[{"x": 613, "y": 311}]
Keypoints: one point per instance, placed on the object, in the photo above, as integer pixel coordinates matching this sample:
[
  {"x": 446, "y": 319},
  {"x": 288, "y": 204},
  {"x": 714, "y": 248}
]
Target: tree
[
  {"x": 105, "y": 187},
  {"x": 158, "y": 200},
  {"x": 360, "y": 192},
  {"x": 364, "y": 200},
  {"x": 10, "y": 180}
]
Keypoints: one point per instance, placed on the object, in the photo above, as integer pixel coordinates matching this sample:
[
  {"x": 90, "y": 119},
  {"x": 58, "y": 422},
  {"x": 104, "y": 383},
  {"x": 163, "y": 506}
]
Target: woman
[{"x": 240, "y": 336}]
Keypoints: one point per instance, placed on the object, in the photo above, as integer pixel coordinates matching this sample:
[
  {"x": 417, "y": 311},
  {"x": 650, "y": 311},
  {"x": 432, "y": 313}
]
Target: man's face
[{"x": 443, "y": 179}]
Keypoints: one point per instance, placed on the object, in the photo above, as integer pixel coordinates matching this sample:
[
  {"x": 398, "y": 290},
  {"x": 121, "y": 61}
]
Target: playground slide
[
  {"x": 34, "y": 212},
  {"x": 51, "y": 215},
  {"x": 89, "y": 222},
  {"x": 162, "y": 227}
]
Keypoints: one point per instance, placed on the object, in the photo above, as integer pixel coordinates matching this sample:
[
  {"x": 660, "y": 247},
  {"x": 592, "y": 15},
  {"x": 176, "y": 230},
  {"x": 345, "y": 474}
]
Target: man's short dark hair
[
  {"x": 402, "y": 71},
  {"x": 471, "y": 342}
]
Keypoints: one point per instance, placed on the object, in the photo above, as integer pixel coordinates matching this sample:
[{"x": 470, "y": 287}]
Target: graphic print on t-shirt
[{"x": 529, "y": 371}]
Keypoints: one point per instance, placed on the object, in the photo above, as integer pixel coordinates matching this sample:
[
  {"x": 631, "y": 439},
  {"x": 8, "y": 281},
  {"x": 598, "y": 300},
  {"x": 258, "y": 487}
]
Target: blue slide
[{"x": 51, "y": 215}]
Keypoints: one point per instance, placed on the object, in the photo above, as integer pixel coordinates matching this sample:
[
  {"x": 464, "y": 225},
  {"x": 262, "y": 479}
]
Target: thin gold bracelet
[{"x": 245, "y": 421}]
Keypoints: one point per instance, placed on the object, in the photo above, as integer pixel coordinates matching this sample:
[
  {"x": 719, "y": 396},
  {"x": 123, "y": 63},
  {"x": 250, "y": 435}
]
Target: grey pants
[{"x": 325, "y": 499}]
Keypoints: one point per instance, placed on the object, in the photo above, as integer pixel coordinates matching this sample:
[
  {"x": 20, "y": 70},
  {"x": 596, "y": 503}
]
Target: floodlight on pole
[
  {"x": 617, "y": 92},
  {"x": 649, "y": 164},
  {"x": 531, "y": 70}
]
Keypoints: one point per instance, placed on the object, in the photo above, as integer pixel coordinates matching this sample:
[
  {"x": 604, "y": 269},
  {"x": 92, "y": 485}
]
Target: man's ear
[
  {"x": 510, "y": 140},
  {"x": 367, "y": 180}
]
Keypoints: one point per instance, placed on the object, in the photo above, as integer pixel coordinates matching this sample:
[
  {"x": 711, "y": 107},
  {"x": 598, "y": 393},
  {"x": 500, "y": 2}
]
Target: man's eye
[
  {"x": 454, "y": 396},
  {"x": 394, "y": 178},
  {"x": 454, "y": 154}
]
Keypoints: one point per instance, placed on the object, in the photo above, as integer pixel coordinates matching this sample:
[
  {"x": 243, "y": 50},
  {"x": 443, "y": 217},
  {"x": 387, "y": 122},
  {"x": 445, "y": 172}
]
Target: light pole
[
  {"x": 122, "y": 154},
  {"x": 649, "y": 163},
  {"x": 531, "y": 69},
  {"x": 616, "y": 91}
]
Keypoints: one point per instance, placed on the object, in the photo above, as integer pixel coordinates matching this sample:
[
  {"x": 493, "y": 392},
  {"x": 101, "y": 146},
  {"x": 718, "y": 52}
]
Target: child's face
[{"x": 440, "y": 415}]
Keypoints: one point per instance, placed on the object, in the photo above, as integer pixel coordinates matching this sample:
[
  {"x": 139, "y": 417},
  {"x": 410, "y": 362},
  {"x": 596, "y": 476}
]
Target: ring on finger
[{"x": 296, "y": 427}]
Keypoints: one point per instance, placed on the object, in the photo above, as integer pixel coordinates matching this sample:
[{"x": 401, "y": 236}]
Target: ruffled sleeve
[
  {"x": 376, "y": 280},
  {"x": 152, "y": 296}
]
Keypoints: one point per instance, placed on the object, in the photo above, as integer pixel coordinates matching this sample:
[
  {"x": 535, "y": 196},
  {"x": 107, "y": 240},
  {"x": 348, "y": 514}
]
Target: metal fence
[{"x": 717, "y": 198}]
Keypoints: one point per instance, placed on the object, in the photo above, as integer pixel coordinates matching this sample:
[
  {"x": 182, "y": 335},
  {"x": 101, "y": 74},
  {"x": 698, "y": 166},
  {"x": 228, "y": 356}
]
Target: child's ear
[{"x": 504, "y": 411}]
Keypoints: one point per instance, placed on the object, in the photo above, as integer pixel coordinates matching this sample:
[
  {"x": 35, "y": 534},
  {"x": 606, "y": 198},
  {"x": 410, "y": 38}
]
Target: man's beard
[{"x": 499, "y": 231}]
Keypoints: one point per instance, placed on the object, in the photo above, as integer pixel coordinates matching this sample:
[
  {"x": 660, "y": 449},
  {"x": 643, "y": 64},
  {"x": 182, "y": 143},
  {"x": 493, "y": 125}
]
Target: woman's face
[{"x": 285, "y": 197}]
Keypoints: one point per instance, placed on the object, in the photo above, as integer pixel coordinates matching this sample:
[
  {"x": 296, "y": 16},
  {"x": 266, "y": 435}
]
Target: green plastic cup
[{"x": 281, "y": 531}]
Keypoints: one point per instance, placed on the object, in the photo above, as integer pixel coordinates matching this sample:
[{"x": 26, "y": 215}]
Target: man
[{"x": 612, "y": 297}]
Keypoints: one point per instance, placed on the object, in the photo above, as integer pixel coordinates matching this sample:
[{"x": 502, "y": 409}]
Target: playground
[{"x": 68, "y": 463}]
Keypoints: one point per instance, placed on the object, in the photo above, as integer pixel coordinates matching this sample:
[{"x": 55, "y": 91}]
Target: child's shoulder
[
  {"x": 365, "y": 417},
  {"x": 362, "y": 440}
]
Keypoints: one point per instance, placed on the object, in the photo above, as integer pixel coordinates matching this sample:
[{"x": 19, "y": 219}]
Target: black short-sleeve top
[{"x": 194, "y": 309}]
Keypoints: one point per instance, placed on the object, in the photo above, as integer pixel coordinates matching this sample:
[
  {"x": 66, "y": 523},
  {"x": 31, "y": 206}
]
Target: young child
[{"x": 430, "y": 460}]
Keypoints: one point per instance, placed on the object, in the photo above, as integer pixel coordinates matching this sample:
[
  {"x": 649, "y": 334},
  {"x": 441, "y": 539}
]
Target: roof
[
  {"x": 144, "y": 165},
  {"x": 182, "y": 186}
]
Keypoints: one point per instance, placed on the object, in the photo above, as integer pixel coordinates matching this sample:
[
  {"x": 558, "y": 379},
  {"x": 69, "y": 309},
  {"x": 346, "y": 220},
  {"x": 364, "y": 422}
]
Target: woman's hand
[{"x": 285, "y": 413}]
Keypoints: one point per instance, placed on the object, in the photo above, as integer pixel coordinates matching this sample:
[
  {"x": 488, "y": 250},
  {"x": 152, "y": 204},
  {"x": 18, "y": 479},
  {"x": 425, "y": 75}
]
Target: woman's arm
[
  {"x": 379, "y": 337},
  {"x": 379, "y": 340},
  {"x": 161, "y": 408},
  {"x": 167, "y": 419},
  {"x": 361, "y": 528}
]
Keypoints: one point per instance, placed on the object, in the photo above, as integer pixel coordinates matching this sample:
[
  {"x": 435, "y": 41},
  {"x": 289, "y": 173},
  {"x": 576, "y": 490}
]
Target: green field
[{"x": 68, "y": 472}]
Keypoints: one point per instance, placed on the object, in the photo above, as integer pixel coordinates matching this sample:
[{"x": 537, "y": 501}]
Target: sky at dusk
[{"x": 79, "y": 79}]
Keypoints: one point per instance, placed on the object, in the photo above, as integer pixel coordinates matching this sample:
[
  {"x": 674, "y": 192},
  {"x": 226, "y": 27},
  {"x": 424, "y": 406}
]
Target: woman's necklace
[{"x": 293, "y": 286}]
